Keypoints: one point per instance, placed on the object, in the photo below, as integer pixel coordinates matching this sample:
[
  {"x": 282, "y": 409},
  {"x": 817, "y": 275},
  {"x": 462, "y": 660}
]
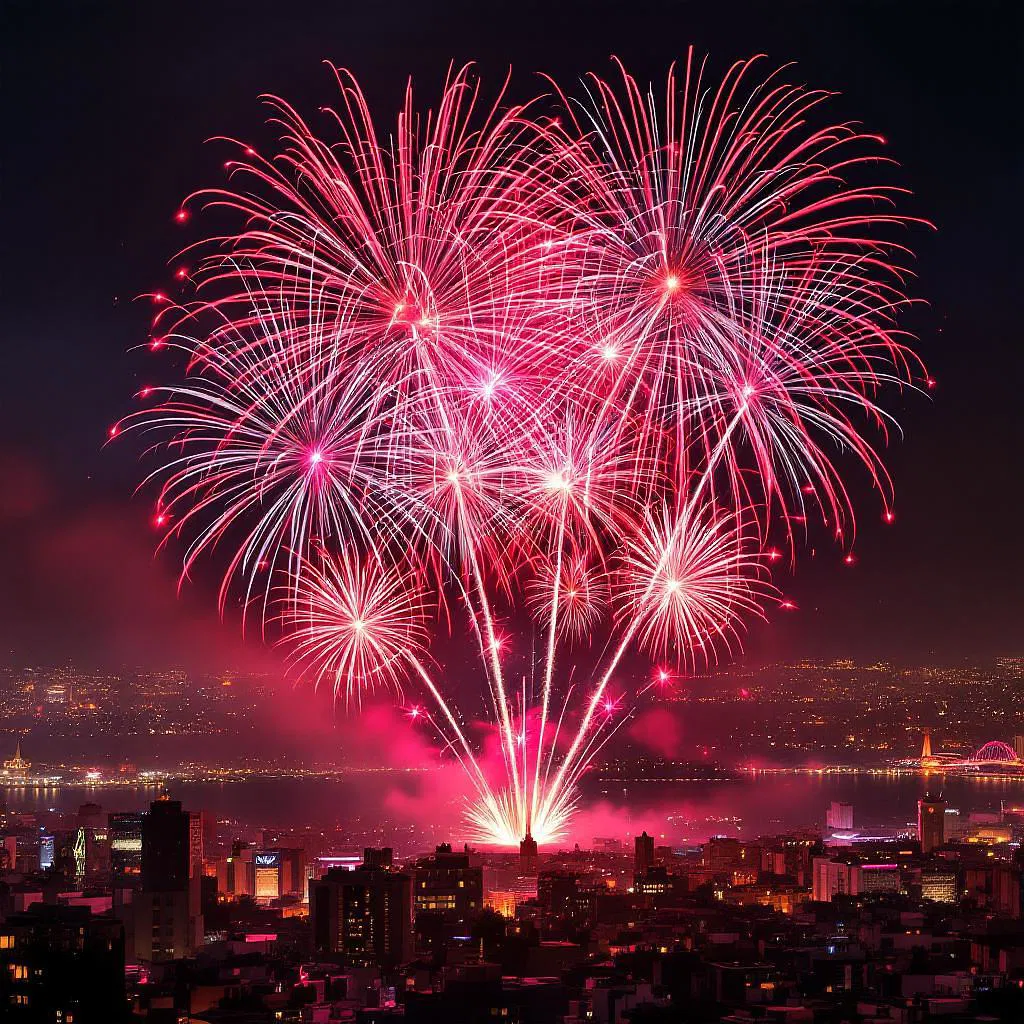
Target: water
[{"x": 410, "y": 808}]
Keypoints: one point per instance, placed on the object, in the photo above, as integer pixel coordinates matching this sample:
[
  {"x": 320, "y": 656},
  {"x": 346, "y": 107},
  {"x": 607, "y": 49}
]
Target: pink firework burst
[{"x": 497, "y": 363}]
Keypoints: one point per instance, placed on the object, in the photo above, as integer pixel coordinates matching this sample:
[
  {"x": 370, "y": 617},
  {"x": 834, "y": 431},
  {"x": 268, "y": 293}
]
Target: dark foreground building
[
  {"x": 61, "y": 964},
  {"x": 364, "y": 915}
]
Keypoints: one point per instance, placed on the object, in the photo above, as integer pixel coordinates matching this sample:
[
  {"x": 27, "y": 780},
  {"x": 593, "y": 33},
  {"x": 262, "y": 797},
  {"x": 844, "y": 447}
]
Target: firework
[{"x": 509, "y": 365}]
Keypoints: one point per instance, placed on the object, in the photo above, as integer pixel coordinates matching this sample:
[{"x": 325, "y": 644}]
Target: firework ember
[{"x": 557, "y": 370}]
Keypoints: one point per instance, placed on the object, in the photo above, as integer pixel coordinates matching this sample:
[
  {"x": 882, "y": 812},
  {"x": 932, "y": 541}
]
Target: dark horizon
[{"x": 109, "y": 110}]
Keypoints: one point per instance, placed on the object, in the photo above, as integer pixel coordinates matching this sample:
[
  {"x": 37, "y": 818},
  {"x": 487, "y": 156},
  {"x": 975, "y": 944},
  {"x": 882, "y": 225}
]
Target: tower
[
  {"x": 643, "y": 853},
  {"x": 928, "y": 759},
  {"x": 528, "y": 855},
  {"x": 17, "y": 767},
  {"x": 931, "y": 822},
  {"x": 168, "y": 917}
]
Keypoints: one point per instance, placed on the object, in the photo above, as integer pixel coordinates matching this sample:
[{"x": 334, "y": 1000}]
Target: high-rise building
[
  {"x": 168, "y": 919},
  {"x": 448, "y": 892},
  {"x": 382, "y": 859},
  {"x": 365, "y": 914},
  {"x": 267, "y": 874},
  {"x": 528, "y": 854},
  {"x": 832, "y": 878},
  {"x": 1006, "y": 891},
  {"x": 125, "y": 834},
  {"x": 931, "y": 822},
  {"x": 643, "y": 853},
  {"x": 839, "y": 816},
  {"x": 278, "y": 873},
  {"x": 125, "y": 837},
  {"x": 236, "y": 875},
  {"x": 1018, "y": 746},
  {"x": 92, "y": 846}
]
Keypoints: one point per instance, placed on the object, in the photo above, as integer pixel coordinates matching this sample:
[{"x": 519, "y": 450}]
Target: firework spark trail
[{"x": 506, "y": 363}]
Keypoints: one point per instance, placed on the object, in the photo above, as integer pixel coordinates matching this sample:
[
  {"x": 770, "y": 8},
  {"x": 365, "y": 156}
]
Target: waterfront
[{"x": 742, "y": 804}]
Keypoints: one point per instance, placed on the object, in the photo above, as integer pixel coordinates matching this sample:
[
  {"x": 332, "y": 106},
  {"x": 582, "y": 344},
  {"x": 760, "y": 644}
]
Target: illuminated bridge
[
  {"x": 992, "y": 758},
  {"x": 994, "y": 754}
]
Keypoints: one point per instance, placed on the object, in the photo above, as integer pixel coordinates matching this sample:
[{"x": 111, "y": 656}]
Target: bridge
[{"x": 994, "y": 754}]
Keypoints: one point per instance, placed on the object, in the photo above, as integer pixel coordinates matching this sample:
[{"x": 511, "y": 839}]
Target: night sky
[{"x": 108, "y": 107}]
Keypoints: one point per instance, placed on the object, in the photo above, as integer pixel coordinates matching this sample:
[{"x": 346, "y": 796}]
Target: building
[
  {"x": 733, "y": 859},
  {"x": 168, "y": 923},
  {"x": 274, "y": 873},
  {"x": 931, "y": 822},
  {"x": 880, "y": 878},
  {"x": 61, "y": 964},
  {"x": 267, "y": 874},
  {"x": 124, "y": 831},
  {"x": 995, "y": 887},
  {"x": 1018, "y": 746},
  {"x": 939, "y": 886},
  {"x": 25, "y": 849},
  {"x": 17, "y": 767},
  {"x": 568, "y": 897},
  {"x": 448, "y": 892},
  {"x": 643, "y": 853},
  {"x": 382, "y": 859},
  {"x": 528, "y": 854},
  {"x": 364, "y": 915},
  {"x": 505, "y": 893},
  {"x": 832, "y": 878},
  {"x": 236, "y": 874},
  {"x": 790, "y": 854},
  {"x": 92, "y": 846},
  {"x": 656, "y": 886},
  {"x": 839, "y": 816}
]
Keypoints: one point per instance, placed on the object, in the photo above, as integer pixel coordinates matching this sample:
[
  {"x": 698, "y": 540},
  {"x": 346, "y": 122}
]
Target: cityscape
[
  {"x": 509, "y": 513},
  {"x": 230, "y": 907}
]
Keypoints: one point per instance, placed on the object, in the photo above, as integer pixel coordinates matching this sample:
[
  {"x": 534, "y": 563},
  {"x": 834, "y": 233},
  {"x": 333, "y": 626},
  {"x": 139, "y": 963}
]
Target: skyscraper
[
  {"x": 168, "y": 919},
  {"x": 931, "y": 822},
  {"x": 125, "y": 832},
  {"x": 92, "y": 867},
  {"x": 643, "y": 853},
  {"x": 365, "y": 914},
  {"x": 528, "y": 854}
]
